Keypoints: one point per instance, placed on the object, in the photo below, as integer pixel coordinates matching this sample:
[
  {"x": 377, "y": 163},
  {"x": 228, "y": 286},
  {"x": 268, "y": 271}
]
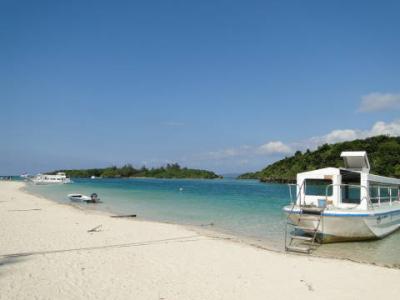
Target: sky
[{"x": 228, "y": 86}]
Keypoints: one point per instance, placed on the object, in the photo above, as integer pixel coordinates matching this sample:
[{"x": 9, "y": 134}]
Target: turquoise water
[{"x": 242, "y": 208}]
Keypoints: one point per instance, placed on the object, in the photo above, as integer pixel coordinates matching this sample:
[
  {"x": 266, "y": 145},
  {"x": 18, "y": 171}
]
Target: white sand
[{"x": 144, "y": 260}]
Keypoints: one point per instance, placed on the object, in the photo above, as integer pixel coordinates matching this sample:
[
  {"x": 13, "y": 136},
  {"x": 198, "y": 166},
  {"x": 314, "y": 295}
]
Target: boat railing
[
  {"x": 299, "y": 189},
  {"x": 358, "y": 186},
  {"x": 298, "y": 193},
  {"x": 292, "y": 185}
]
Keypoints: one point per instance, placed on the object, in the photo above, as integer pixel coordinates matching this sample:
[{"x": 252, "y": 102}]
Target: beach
[{"x": 55, "y": 251}]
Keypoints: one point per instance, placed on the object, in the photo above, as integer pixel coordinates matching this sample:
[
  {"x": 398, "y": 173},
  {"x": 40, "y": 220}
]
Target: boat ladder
[{"x": 303, "y": 232}]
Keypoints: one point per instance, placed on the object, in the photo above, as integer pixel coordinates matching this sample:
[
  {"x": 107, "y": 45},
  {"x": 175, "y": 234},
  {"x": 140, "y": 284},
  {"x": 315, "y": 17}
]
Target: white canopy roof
[
  {"x": 383, "y": 180},
  {"x": 356, "y": 160}
]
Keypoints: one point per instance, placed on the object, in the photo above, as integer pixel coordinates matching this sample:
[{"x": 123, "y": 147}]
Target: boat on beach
[
  {"x": 93, "y": 198},
  {"x": 59, "y": 178},
  {"x": 341, "y": 204}
]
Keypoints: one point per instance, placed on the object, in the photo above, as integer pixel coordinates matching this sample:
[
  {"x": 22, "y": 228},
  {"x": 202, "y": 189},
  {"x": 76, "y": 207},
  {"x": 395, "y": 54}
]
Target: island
[
  {"x": 383, "y": 152},
  {"x": 169, "y": 171}
]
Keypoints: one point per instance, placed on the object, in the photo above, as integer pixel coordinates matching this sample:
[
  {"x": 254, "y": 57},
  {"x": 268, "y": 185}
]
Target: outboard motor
[{"x": 94, "y": 198}]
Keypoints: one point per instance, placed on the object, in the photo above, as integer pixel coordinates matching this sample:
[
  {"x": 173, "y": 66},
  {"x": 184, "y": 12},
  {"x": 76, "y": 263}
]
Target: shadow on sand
[
  {"x": 6, "y": 261},
  {"x": 183, "y": 239}
]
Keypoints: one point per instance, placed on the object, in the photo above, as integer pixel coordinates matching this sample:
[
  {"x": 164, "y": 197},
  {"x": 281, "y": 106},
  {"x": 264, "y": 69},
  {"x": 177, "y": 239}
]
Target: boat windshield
[
  {"x": 351, "y": 194},
  {"x": 318, "y": 187}
]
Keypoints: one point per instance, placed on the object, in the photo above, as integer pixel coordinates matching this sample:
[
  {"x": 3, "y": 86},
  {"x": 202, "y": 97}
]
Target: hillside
[
  {"x": 169, "y": 171},
  {"x": 383, "y": 153}
]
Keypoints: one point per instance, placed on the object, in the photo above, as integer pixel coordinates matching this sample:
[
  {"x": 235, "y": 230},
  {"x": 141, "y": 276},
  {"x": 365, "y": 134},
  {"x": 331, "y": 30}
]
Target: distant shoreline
[
  {"x": 173, "y": 171},
  {"x": 144, "y": 177}
]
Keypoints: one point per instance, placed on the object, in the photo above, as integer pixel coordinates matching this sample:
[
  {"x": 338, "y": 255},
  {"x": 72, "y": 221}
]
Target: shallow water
[{"x": 243, "y": 208}]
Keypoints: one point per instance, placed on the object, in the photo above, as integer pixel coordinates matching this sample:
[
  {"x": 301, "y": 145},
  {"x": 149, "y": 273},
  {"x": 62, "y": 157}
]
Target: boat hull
[
  {"x": 342, "y": 227},
  {"x": 45, "y": 182}
]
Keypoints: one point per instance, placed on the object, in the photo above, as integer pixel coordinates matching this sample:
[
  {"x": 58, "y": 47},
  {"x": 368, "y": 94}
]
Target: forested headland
[
  {"x": 168, "y": 171},
  {"x": 383, "y": 153}
]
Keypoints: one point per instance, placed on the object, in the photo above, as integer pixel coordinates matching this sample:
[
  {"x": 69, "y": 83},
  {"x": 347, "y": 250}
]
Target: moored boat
[
  {"x": 59, "y": 178},
  {"x": 83, "y": 198},
  {"x": 78, "y": 197},
  {"x": 342, "y": 204}
]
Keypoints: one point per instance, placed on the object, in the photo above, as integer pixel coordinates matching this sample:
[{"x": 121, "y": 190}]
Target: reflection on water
[{"x": 382, "y": 252}]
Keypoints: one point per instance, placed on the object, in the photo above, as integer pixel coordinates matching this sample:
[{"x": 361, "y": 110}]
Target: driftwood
[
  {"x": 95, "y": 229},
  {"x": 209, "y": 224},
  {"x": 124, "y": 216}
]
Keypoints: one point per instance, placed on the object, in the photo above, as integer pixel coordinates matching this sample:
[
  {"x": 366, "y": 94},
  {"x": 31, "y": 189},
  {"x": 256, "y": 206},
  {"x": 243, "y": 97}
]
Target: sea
[{"x": 245, "y": 210}]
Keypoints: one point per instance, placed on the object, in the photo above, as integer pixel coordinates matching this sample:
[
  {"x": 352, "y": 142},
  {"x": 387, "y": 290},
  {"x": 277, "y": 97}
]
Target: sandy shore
[{"x": 46, "y": 252}]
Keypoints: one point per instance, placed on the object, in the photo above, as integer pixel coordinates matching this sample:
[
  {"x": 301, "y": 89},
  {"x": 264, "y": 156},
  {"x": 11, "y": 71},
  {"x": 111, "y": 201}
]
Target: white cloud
[
  {"x": 379, "y": 101},
  {"x": 392, "y": 129},
  {"x": 336, "y": 136},
  {"x": 274, "y": 147},
  {"x": 245, "y": 151},
  {"x": 341, "y": 135},
  {"x": 247, "y": 157}
]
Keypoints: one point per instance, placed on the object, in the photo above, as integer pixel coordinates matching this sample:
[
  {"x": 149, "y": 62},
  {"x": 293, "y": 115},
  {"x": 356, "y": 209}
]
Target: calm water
[{"x": 243, "y": 208}]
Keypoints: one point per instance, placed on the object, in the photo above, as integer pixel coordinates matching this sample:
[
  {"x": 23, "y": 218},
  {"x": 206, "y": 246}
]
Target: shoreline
[
  {"x": 211, "y": 232},
  {"x": 201, "y": 229},
  {"x": 46, "y": 251}
]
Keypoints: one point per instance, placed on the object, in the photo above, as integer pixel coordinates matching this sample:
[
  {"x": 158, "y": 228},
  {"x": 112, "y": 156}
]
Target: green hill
[
  {"x": 169, "y": 171},
  {"x": 383, "y": 153}
]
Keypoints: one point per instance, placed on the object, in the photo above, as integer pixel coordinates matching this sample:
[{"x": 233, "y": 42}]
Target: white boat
[
  {"x": 78, "y": 197},
  {"x": 342, "y": 204},
  {"x": 60, "y": 177},
  {"x": 83, "y": 198}
]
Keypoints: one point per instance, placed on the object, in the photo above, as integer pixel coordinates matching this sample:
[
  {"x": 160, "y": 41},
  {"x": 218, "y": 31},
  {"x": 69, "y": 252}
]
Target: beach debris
[
  {"x": 209, "y": 224},
  {"x": 95, "y": 229},
  {"x": 124, "y": 216},
  {"x": 309, "y": 285}
]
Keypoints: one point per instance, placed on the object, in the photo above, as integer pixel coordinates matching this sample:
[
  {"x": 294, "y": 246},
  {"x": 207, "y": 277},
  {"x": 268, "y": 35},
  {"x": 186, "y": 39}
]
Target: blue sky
[{"x": 224, "y": 85}]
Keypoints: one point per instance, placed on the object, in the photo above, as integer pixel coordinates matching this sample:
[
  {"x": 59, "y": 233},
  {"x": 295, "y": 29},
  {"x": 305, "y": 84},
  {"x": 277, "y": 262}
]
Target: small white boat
[
  {"x": 60, "y": 177},
  {"x": 83, "y": 198},
  {"x": 78, "y": 197},
  {"x": 342, "y": 204}
]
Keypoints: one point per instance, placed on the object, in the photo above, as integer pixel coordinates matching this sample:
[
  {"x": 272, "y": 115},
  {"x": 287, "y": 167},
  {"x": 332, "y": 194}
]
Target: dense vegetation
[
  {"x": 383, "y": 153},
  {"x": 169, "y": 171}
]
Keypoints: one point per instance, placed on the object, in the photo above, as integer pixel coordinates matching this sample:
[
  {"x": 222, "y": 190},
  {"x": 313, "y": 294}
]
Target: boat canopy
[
  {"x": 356, "y": 165},
  {"x": 377, "y": 179},
  {"x": 356, "y": 161},
  {"x": 350, "y": 187},
  {"x": 319, "y": 173}
]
